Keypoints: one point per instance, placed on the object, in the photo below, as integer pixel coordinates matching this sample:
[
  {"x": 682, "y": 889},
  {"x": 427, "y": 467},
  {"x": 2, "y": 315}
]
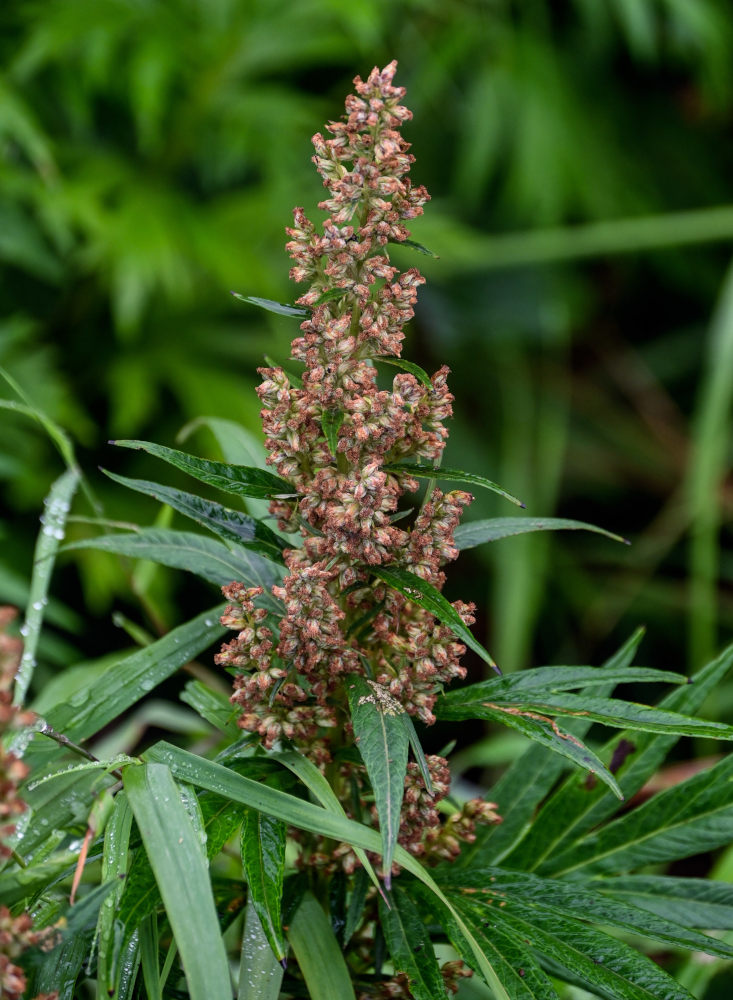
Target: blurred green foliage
[{"x": 578, "y": 153}]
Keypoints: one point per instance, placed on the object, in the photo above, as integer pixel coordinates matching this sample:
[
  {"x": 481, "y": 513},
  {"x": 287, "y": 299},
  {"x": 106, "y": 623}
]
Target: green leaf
[
  {"x": 408, "y": 366},
  {"x": 417, "y": 751},
  {"x": 214, "y": 706},
  {"x": 548, "y": 733},
  {"x": 576, "y": 807},
  {"x": 241, "y": 480},
  {"x": 114, "y": 869},
  {"x": 127, "y": 681},
  {"x": 696, "y": 902},
  {"x": 24, "y": 883},
  {"x": 320, "y": 959},
  {"x": 497, "y": 887},
  {"x": 277, "y": 307},
  {"x": 231, "y": 525},
  {"x": 426, "y": 596},
  {"x": 53, "y": 524},
  {"x": 57, "y": 970},
  {"x": 418, "y": 247},
  {"x": 408, "y": 940},
  {"x": 691, "y": 818},
  {"x": 331, "y": 421},
  {"x": 260, "y": 973},
  {"x": 599, "y": 962},
  {"x": 263, "y": 860},
  {"x": 449, "y": 475},
  {"x": 383, "y": 743},
  {"x": 467, "y": 536},
  {"x": 181, "y": 872}
]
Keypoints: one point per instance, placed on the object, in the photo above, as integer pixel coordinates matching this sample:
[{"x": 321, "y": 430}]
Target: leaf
[
  {"x": 382, "y": 741},
  {"x": 331, "y": 421},
  {"x": 241, "y": 480},
  {"x": 213, "y": 706},
  {"x": 425, "y": 595},
  {"x": 417, "y": 751},
  {"x": 277, "y": 307},
  {"x": 231, "y": 525},
  {"x": 114, "y": 869},
  {"x": 591, "y": 958},
  {"x": 576, "y": 808},
  {"x": 548, "y": 733},
  {"x": 449, "y": 475},
  {"x": 58, "y": 969},
  {"x": 131, "y": 678},
  {"x": 260, "y": 973},
  {"x": 696, "y": 902},
  {"x": 691, "y": 818},
  {"x": 320, "y": 959},
  {"x": 53, "y": 524},
  {"x": 467, "y": 536},
  {"x": 181, "y": 872},
  {"x": 24, "y": 883},
  {"x": 414, "y": 246},
  {"x": 408, "y": 366},
  {"x": 497, "y": 887},
  {"x": 408, "y": 940},
  {"x": 263, "y": 860}
]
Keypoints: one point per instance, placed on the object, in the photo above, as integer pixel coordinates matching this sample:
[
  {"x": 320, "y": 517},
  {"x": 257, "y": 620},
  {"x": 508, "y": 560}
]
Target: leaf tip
[{"x": 284, "y": 963}]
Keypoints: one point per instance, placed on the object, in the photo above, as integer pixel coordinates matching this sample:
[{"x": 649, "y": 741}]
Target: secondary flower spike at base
[{"x": 335, "y": 436}]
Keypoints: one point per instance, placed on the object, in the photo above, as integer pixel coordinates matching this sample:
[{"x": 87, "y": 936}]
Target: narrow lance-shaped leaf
[
  {"x": 231, "y": 525},
  {"x": 407, "y": 366},
  {"x": 320, "y": 959},
  {"x": 181, "y": 872},
  {"x": 53, "y": 523},
  {"x": 449, "y": 475},
  {"x": 241, "y": 480},
  {"x": 467, "y": 536},
  {"x": 418, "y": 247},
  {"x": 694, "y": 902},
  {"x": 382, "y": 741},
  {"x": 426, "y": 596},
  {"x": 263, "y": 860},
  {"x": 282, "y": 308},
  {"x": 114, "y": 868},
  {"x": 260, "y": 973},
  {"x": 409, "y": 944}
]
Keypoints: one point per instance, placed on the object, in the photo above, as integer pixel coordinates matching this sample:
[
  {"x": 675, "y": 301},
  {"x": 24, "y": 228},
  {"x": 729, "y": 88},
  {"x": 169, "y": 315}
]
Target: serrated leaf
[
  {"x": 182, "y": 876},
  {"x": 467, "y": 536},
  {"x": 241, "y": 480},
  {"x": 282, "y": 308},
  {"x": 260, "y": 973},
  {"x": 417, "y": 751},
  {"x": 231, "y": 525},
  {"x": 691, "y": 818},
  {"x": 426, "y": 596},
  {"x": 331, "y": 422},
  {"x": 576, "y": 807},
  {"x": 407, "y": 366},
  {"x": 263, "y": 860},
  {"x": 320, "y": 959},
  {"x": 382, "y": 741},
  {"x": 449, "y": 475},
  {"x": 129, "y": 679},
  {"x": 497, "y": 887},
  {"x": 544, "y": 730},
  {"x": 696, "y": 902},
  {"x": 409, "y": 944},
  {"x": 592, "y": 958}
]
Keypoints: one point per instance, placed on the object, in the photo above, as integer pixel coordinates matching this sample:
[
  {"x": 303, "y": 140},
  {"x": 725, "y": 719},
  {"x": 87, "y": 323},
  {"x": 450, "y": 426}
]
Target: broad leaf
[
  {"x": 231, "y": 525},
  {"x": 383, "y": 742},
  {"x": 241, "y": 480},
  {"x": 408, "y": 366},
  {"x": 408, "y": 940},
  {"x": 319, "y": 956},
  {"x": 467, "y": 536},
  {"x": 331, "y": 422},
  {"x": 181, "y": 872},
  {"x": 426, "y": 596},
  {"x": 449, "y": 475},
  {"x": 281, "y": 308},
  {"x": 263, "y": 860}
]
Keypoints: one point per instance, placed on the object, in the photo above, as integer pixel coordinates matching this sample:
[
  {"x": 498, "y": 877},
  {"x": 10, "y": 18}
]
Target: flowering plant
[{"x": 358, "y": 872}]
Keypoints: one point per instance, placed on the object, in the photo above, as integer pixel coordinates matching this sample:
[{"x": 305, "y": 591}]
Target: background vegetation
[{"x": 578, "y": 154}]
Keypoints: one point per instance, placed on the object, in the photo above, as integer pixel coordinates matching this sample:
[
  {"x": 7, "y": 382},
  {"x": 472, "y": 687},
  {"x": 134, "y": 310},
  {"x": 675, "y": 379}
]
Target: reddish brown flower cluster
[
  {"x": 338, "y": 438},
  {"x": 16, "y": 933}
]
